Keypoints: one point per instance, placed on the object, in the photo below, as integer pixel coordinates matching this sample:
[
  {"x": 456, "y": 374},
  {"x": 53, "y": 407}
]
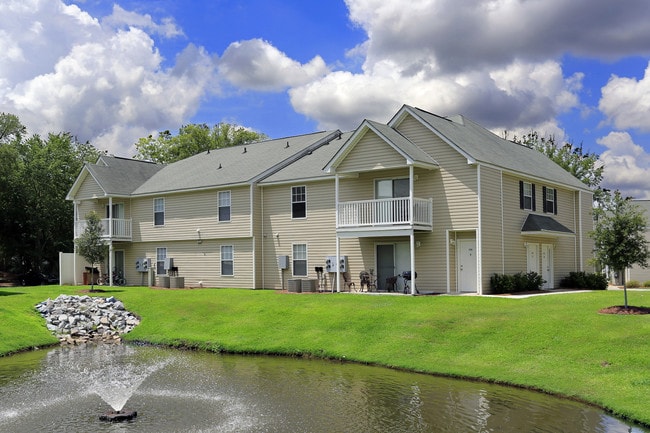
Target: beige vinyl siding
[
  {"x": 587, "y": 219},
  {"x": 317, "y": 231},
  {"x": 636, "y": 272},
  {"x": 89, "y": 189},
  {"x": 370, "y": 153},
  {"x": 187, "y": 212},
  {"x": 454, "y": 188},
  {"x": 491, "y": 225},
  {"x": 565, "y": 250},
  {"x": 197, "y": 262},
  {"x": 258, "y": 235},
  {"x": 455, "y": 194}
]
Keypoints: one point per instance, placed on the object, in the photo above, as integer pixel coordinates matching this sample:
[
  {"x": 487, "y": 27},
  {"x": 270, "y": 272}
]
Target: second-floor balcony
[
  {"x": 386, "y": 213},
  {"x": 116, "y": 229}
]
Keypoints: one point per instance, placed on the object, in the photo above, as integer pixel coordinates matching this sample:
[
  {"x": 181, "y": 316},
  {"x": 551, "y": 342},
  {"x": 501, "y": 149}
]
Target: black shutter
[
  {"x": 521, "y": 194},
  {"x": 543, "y": 199},
  {"x": 555, "y": 201},
  {"x": 533, "y": 188}
]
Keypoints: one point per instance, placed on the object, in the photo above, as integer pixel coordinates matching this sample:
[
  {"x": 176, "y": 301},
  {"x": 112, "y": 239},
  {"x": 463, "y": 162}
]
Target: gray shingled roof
[
  {"x": 231, "y": 165},
  {"x": 485, "y": 147},
  {"x": 121, "y": 176},
  {"x": 544, "y": 224},
  {"x": 310, "y": 166}
]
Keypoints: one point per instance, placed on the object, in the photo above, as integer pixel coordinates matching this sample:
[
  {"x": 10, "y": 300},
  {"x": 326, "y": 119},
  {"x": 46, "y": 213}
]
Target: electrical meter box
[{"x": 283, "y": 262}]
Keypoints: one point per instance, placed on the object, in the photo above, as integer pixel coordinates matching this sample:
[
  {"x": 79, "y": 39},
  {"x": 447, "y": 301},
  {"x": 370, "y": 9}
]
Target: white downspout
[{"x": 74, "y": 235}]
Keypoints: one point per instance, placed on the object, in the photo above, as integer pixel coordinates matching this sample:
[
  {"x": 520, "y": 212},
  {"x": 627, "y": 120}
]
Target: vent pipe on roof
[
  {"x": 244, "y": 150},
  {"x": 219, "y": 168},
  {"x": 287, "y": 146}
]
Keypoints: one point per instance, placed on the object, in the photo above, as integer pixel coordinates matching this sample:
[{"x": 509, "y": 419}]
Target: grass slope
[{"x": 558, "y": 344}]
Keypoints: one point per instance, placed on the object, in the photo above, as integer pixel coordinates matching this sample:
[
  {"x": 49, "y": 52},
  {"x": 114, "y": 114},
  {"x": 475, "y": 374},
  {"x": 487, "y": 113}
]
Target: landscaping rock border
[{"x": 82, "y": 319}]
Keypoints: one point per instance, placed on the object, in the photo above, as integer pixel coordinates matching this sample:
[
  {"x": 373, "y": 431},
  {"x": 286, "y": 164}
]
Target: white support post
[
  {"x": 412, "y": 263},
  {"x": 338, "y": 267},
  {"x": 411, "y": 199}
]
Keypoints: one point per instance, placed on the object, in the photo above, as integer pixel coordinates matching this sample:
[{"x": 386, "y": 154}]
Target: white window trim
[
  {"x": 293, "y": 259},
  {"x": 229, "y": 206},
  {"x": 530, "y": 186},
  {"x": 163, "y": 260},
  {"x": 292, "y": 202},
  {"x": 232, "y": 251},
  {"x": 164, "y": 212}
]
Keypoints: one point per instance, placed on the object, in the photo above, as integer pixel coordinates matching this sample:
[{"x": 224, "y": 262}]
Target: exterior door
[
  {"x": 385, "y": 264},
  {"x": 532, "y": 258},
  {"x": 467, "y": 266},
  {"x": 547, "y": 266}
]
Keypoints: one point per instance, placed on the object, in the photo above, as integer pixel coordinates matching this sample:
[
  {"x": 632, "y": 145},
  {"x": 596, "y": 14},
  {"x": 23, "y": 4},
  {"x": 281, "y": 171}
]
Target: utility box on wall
[
  {"x": 330, "y": 263},
  {"x": 142, "y": 264},
  {"x": 283, "y": 262}
]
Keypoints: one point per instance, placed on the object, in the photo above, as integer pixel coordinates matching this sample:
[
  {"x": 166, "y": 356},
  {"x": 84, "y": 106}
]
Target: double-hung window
[
  {"x": 300, "y": 260},
  {"x": 224, "y": 205},
  {"x": 159, "y": 211},
  {"x": 227, "y": 260},
  {"x": 550, "y": 200},
  {"x": 161, "y": 255},
  {"x": 526, "y": 195},
  {"x": 298, "y": 202}
]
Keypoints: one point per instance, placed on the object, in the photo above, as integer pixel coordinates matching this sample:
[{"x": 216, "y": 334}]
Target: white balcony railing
[
  {"x": 385, "y": 212},
  {"x": 114, "y": 229}
]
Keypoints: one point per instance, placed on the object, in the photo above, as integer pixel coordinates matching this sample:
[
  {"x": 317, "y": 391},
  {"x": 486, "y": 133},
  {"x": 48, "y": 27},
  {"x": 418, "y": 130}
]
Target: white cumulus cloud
[
  {"x": 102, "y": 80},
  {"x": 258, "y": 65},
  {"x": 627, "y": 165},
  {"x": 626, "y": 102}
]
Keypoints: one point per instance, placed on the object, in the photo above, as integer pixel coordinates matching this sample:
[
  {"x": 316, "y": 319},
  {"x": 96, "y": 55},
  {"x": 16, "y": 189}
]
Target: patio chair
[
  {"x": 347, "y": 282},
  {"x": 390, "y": 284},
  {"x": 367, "y": 281}
]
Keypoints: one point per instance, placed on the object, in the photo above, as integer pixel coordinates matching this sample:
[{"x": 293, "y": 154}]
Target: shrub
[
  {"x": 585, "y": 280},
  {"x": 519, "y": 282},
  {"x": 633, "y": 283},
  {"x": 646, "y": 284}
]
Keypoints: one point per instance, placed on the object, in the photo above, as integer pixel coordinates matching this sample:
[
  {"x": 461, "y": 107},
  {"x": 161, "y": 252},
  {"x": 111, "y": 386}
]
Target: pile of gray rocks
[{"x": 83, "y": 319}]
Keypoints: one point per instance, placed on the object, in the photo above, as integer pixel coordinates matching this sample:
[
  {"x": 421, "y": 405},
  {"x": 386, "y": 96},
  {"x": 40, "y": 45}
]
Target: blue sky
[{"x": 111, "y": 72}]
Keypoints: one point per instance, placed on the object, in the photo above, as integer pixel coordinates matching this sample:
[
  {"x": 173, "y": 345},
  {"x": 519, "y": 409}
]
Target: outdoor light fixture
[{"x": 198, "y": 233}]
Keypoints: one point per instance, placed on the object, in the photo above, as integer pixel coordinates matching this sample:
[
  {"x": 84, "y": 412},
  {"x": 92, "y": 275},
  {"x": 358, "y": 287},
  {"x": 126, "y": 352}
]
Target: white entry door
[
  {"x": 532, "y": 258},
  {"x": 547, "y": 266},
  {"x": 467, "y": 266}
]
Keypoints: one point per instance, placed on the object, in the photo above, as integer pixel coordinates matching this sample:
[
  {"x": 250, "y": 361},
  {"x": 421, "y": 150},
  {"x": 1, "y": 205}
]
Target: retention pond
[{"x": 68, "y": 389}]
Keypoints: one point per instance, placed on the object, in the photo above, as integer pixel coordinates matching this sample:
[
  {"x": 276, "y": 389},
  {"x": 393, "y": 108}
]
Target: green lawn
[{"x": 558, "y": 343}]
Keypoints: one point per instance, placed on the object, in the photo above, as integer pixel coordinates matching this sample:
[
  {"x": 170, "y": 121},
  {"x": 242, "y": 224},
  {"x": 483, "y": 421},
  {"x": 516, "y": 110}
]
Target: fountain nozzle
[{"x": 118, "y": 415}]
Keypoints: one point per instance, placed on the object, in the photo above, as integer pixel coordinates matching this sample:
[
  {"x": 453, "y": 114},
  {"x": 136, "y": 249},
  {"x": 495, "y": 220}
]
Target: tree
[
  {"x": 192, "y": 139},
  {"x": 585, "y": 166},
  {"x": 619, "y": 235},
  {"x": 90, "y": 244},
  {"x": 36, "y": 175}
]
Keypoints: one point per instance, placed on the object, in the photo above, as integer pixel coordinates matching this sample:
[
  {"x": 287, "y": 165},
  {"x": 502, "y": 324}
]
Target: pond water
[{"x": 66, "y": 389}]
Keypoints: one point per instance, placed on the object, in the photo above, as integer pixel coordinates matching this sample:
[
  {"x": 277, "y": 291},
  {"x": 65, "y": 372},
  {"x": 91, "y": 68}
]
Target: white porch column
[
  {"x": 338, "y": 268},
  {"x": 412, "y": 221},
  {"x": 75, "y": 218},
  {"x": 411, "y": 203},
  {"x": 110, "y": 263},
  {"x": 110, "y": 217},
  {"x": 338, "y": 240},
  {"x": 412, "y": 263}
]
